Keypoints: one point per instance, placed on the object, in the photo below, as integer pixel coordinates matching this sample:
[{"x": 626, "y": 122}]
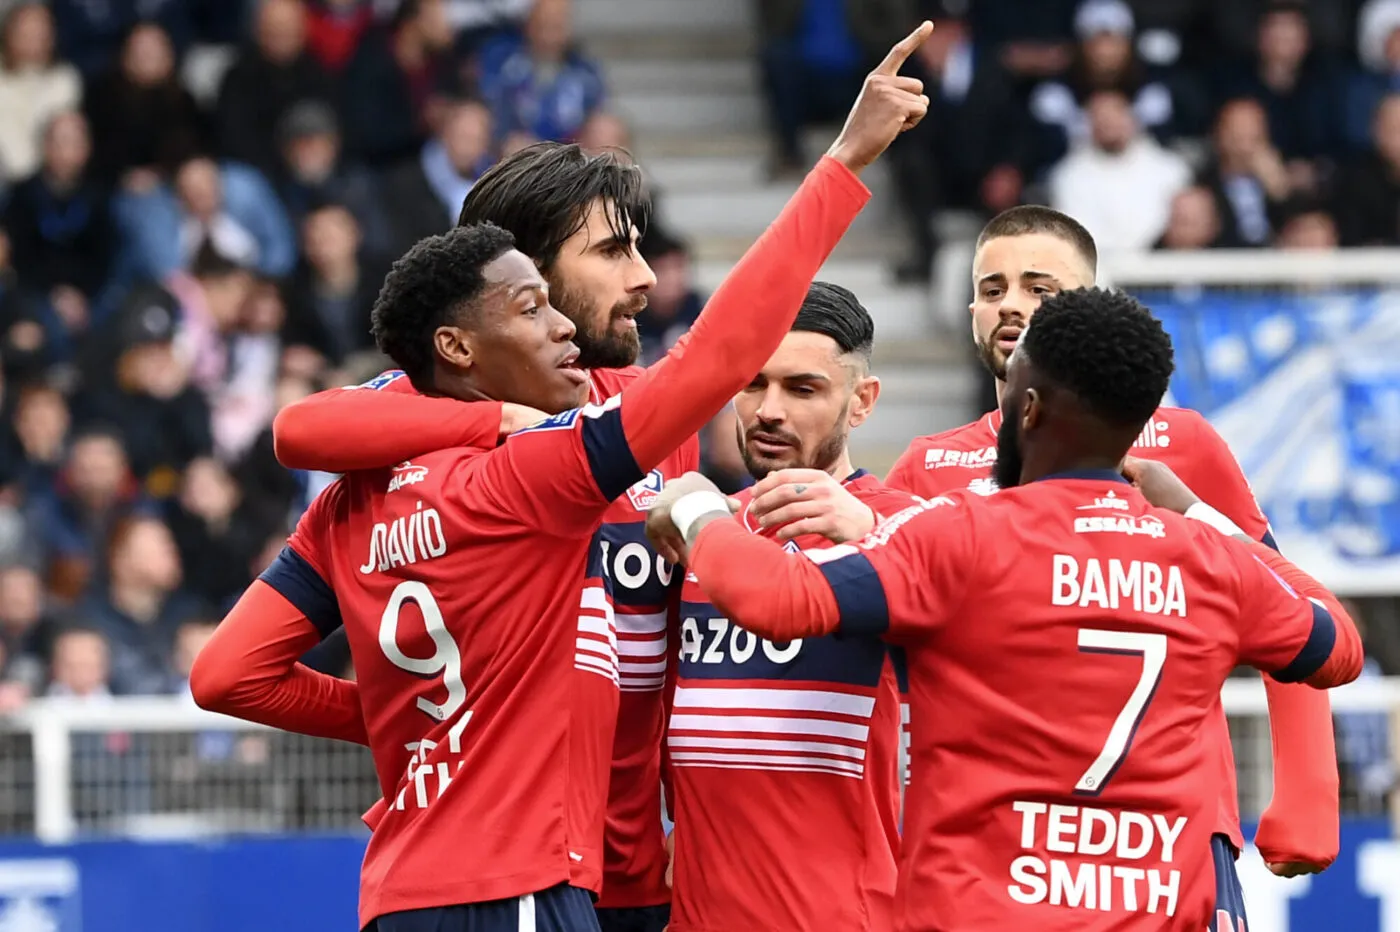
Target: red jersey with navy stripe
[
  {"x": 962, "y": 458},
  {"x": 784, "y": 761}
]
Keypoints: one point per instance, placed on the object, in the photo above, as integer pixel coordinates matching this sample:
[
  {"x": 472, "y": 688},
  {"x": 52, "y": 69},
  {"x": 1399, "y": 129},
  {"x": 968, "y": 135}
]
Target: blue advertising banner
[
  {"x": 309, "y": 884},
  {"x": 1305, "y": 387}
]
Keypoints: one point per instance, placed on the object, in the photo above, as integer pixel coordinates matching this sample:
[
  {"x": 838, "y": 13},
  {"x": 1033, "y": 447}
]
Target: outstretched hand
[
  {"x": 661, "y": 530},
  {"x": 889, "y": 103}
]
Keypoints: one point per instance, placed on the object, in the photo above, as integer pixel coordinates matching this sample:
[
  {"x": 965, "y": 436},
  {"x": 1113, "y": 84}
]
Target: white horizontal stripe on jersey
[
  {"x": 769, "y": 724},
  {"x": 605, "y": 674},
  {"x": 649, "y": 623},
  {"x": 798, "y": 700},
  {"x": 634, "y": 647},
  {"x": 765, "y": 744},
  {"x": 596, "y": 647},
  {"x": 717, "y": 757},
  {"x": 641, "y": 684},
  {"x": 790, "y": 768},
  {"x": 642, "y": 668}
]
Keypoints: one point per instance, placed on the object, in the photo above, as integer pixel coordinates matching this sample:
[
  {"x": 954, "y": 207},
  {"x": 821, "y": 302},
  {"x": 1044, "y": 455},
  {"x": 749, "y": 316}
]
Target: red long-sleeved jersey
[
  {"x": 1059, "y": 687},
  {"x": 1302, "y": 822},
  {"x": 488, "y": 683}
]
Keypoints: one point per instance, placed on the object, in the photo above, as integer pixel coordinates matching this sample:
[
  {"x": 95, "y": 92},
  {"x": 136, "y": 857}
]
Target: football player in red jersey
[
  {"x": 1059, "y": 777},
  {"x": 527, "y": 667},
  {"x": 788, "y": 752},
  {"x": 1023, "y": 256}
]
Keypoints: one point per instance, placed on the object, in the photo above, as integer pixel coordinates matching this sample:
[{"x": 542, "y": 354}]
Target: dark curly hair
[
  {"x": 543, "y": 192},
  {"x": 1104, "y": 348},
  {"x": 429, "y": 287}
]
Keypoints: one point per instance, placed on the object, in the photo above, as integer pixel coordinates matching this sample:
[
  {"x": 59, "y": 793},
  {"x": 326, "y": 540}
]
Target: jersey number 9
[{"x": 445, "y": 660}]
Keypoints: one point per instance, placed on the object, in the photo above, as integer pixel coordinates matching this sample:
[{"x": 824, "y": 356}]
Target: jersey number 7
[{"x": 1153, "y": 650}]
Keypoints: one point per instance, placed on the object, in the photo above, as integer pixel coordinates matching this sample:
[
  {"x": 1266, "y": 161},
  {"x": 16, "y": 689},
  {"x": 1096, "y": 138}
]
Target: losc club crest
[{"x": 643, "y": 494}]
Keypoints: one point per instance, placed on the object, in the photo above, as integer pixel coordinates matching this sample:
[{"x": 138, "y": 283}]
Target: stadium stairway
[{"x": 683, "y": 74}]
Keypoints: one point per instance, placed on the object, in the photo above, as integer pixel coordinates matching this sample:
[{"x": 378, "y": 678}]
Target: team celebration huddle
[{"x": 562, "y": 631}]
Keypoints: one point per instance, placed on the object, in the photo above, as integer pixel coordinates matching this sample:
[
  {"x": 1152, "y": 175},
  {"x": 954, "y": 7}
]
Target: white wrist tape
[
  {"x": 1208, "y": 515},
  {"x": 692, "y": 506}
]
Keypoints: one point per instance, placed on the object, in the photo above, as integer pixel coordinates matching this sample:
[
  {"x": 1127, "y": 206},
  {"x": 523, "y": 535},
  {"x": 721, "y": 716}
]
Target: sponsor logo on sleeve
[{"x": 644, "y": 494}]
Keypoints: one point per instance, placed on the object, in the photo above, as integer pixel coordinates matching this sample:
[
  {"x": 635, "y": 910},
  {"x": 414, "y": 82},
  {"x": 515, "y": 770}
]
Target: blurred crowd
[
  {"x": 198, "y": 201},
  {"x": 1161, "y": 124}
]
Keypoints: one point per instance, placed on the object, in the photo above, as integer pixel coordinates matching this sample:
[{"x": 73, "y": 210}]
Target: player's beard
[
  {"x": 992, "y": 359},
  {"x": 1006, "y": 471},
  {"x": 823, "y": 457},
  {"x": 600, "y": 347}
]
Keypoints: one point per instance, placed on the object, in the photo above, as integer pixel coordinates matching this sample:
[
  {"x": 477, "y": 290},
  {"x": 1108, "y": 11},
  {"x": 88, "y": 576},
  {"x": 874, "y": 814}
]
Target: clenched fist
[{"x": 888, "y": 105}]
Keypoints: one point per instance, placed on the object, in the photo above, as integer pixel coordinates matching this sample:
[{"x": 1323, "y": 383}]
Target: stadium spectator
[
  {"x": 971, "y": 151},
  {"x": 94, "y": 490},
  {"x": 1246, "y": 173},
  {"x": 1121, "y": 184},
  {"x": 244, "y": 402},
  {"x": 332, "y": 292},
  {"x": 271, "y": 74},
  {"x": 143, "y": 121},
  {"x": 1378, "y": 48},
  {"x": 313, "y": 170},
  {"x": 1193, "y": 223},
  {"x": 81, "y": 665},
  {"x": 190, "y": 639},
  {"x": 1297, "y": 87},
  {"x": 334, "y": 29},
  {"x": 1031, "y": 38},
  {"x": 396, "y": 82},
  {"x": 1164, "y": 104},
  {"x": 215, "y": 533},
  {"x": 139, "y": 605},
  {"x": 62, "y": 238},
  {"x": 1308, "y": 226},
  {"x": 814, "y": 55},
  {"x": 542, "y": 86},
  {"x": 25, "y": 347},
  {"x": 1368, "y": 193},
  {"x": 210, "y": 297},
  {"x": 25, "y": 631},
  {"x": 41, "y": 424},
  {"x": 34, "y": 87},
  {"x": 93, "y": 35},
  {"x": 604, "y": 130},
  {"x": 162, "y": 418},
  {"x": 423, "y": 195},
  {"x": 673, "y": 303}
]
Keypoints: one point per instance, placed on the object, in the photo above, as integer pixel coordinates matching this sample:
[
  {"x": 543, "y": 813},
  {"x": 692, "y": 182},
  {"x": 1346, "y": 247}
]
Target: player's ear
[
  {"x": 867, "y": 392},
  {"x": 1032, "y": 408},
  {"x": 454, "y": 347}
]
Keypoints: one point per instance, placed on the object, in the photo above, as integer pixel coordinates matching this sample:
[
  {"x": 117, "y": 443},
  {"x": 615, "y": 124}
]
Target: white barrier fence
[{"x": 159, "y": 767}]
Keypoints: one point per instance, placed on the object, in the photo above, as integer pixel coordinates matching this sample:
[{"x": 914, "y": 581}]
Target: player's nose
[
  {"x": 561, "y": 329},
  {"x": 770, "y": 409},
  {"x": 640, "y": 277}
]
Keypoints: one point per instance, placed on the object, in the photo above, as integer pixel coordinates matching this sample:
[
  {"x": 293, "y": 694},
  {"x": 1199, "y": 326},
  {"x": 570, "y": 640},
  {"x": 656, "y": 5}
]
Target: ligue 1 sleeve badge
[{"x": 643, "y": 494}]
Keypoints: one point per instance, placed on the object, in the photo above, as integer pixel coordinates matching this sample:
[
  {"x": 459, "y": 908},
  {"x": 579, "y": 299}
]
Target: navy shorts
[
  {"x": 558, "y": 909},
  {"x": 1229, "y": 897},
  {"x": 634, "y": 919}
]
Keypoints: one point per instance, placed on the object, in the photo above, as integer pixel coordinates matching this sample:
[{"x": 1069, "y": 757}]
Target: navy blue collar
[
  {"x": 858, "y": 474},
  {"x": 1099, "y": 475}
]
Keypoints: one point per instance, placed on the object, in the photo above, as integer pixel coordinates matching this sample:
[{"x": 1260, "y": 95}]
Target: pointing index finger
[{"x": 902, "y": 49}]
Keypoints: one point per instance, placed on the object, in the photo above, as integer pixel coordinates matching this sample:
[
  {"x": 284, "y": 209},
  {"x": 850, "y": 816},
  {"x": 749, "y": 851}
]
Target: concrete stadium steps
[
  {"x": 662, "y": 17},
  {"x": 684, "y": 74}
]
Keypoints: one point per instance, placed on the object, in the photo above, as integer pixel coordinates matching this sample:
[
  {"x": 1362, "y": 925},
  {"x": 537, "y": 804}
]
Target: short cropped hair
[
  {"x": 836, "y": 312},
  {"x": 427, "y": 288},
  {"x": 542, "y": 194},
  {"x": 1033, "y": 218},
  {"x": 1104, "y": 348}
]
